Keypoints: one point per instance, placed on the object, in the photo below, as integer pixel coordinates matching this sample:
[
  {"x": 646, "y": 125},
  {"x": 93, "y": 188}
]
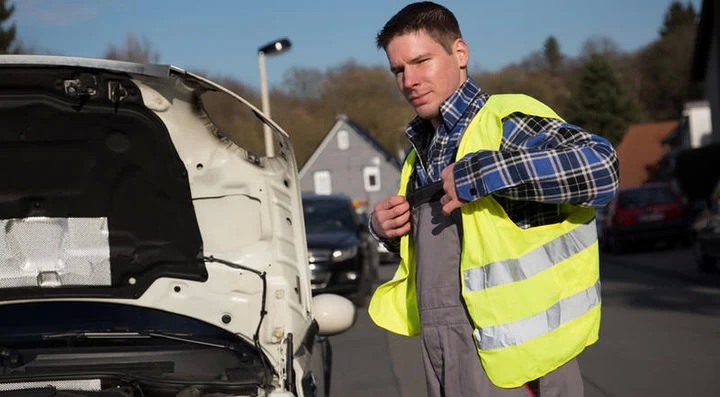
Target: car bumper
[
  {"x": 644, "y": 232},
  {"x": 336, "y": 277}
]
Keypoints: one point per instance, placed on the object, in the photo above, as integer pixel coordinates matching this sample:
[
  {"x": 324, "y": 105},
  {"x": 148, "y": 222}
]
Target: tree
[
  {"x": 7, "y": 35},
  {"x": 553, "y": 56},
  {"x": 665, "y": 64},
  {"x": 599, "y": 45},
  {"x": 601, "y": 104},
  {"x": 303, "y": 82},
  {"x": 677, "y": 18},
  {"x": 133, "y": 50}
]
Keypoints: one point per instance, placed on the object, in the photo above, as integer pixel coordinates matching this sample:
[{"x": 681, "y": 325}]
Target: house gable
[{"x": 350, "y": 161}]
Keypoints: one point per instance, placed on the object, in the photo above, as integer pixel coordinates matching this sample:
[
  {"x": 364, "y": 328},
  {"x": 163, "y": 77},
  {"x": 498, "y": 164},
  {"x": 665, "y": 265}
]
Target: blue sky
[{"x": 221, "y": 37}]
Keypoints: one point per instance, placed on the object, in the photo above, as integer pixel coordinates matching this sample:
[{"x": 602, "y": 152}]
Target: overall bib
[{"x": 452, "y": 366}]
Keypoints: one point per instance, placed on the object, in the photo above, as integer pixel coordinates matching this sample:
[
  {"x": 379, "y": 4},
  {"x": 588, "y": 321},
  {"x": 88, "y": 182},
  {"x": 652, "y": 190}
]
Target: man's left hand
[{"x": 450, "y": 199}]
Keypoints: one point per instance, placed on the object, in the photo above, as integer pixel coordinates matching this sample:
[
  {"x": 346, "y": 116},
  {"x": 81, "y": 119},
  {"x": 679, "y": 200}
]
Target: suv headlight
[{"x": 343, "y": 254}]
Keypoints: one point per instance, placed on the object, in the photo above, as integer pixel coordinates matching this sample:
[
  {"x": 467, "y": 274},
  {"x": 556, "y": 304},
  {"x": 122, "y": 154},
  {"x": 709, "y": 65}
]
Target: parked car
[
  {"x": 145, "y": 249},
  {"x": 646, "y": 214},
  {"x": 387, "y": 257},
  {"x": 707, "y": 234},
  {"x": 342, "y": 256}
]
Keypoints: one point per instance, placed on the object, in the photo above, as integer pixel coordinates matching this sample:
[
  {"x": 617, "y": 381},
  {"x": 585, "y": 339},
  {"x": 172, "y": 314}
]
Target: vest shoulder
[{"x": 507, "y": 104}]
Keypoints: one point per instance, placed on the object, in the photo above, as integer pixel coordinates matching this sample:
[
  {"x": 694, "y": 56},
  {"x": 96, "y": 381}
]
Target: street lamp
[{"x": 274, "y": 47}]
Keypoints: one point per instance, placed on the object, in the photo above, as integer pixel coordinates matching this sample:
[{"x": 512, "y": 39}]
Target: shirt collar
[{"x": 451, "y": 109}]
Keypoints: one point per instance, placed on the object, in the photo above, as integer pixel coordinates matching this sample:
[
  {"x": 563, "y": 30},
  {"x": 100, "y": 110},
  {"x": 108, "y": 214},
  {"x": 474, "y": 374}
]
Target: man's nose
[{"x": 409, "y": 78}]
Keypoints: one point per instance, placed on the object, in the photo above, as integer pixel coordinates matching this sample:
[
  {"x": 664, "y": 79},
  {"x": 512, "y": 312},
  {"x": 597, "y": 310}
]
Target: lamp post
[{"x": 274, "y": 47}]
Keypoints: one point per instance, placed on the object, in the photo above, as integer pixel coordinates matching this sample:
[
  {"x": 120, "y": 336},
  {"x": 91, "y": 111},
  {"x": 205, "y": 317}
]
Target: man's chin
[{"x": 427, "y": 113}]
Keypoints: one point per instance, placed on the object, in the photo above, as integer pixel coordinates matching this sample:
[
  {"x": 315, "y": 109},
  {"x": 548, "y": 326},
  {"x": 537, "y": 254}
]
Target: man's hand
[
  {"x": 391, "y": 217},
  {"x": 450, "y": 199}
]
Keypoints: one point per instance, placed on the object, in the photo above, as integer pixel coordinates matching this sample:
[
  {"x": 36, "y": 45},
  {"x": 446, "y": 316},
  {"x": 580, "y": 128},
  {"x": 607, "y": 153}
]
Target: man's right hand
[{"x": 391, "y": 217}]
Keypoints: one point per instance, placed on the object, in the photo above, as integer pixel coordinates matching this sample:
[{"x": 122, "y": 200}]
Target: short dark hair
[{"x": 436, "y": 20}]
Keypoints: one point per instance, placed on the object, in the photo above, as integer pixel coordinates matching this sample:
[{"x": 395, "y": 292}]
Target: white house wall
[{"x": 712, "y": 82}]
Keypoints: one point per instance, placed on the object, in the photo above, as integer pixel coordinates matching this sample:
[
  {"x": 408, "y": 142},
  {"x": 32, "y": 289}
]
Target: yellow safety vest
[{"x": 533, "y": 294}]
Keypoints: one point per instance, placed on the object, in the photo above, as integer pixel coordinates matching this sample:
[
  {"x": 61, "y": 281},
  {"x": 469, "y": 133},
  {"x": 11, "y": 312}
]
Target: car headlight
[{"x": 343, "y": 254}]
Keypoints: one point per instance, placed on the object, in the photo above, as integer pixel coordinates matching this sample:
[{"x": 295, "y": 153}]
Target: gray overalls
[{"x": 452, "y": 365}]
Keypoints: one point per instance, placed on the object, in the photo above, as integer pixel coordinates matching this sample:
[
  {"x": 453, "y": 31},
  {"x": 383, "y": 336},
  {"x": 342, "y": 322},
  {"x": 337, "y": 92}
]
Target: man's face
[{"x": 425, "y": 73}]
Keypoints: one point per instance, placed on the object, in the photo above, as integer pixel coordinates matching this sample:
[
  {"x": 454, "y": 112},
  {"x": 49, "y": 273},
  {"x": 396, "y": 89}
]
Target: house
[
  {"x": 640, "y": 150},
  {"x": 706, "y": 62},
  {"x": 695, "y": 157},
  {"x": 351, "y": 162}
]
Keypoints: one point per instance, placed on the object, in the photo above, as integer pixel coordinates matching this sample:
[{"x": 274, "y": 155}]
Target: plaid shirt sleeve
[{"x": 542, "y": 160}]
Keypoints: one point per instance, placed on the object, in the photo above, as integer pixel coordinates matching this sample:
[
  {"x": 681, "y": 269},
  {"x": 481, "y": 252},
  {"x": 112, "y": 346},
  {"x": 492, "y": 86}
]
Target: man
[{"x": 494, "y": 224}]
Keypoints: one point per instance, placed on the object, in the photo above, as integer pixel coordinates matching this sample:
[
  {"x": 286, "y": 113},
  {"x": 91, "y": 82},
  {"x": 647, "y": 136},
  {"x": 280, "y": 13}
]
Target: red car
[{"x": 646, "y": 214}]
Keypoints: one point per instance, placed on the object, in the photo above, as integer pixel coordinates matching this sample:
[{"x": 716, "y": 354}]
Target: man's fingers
[
  {"x": 391, "y": 217},
  {"x": 449, "y": 204},
  {"x": 390, "y": 202}
]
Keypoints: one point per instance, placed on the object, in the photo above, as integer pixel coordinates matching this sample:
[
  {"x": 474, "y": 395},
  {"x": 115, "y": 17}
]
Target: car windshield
[
  {"x": 644, "y": 197},
  {"x": 328, "y": 216}
]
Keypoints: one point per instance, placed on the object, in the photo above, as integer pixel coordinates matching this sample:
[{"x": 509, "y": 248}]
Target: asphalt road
[{"x": 660, "y": 336}]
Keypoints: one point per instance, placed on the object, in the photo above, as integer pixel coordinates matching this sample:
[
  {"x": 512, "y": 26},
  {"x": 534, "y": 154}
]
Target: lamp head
[{"x": 275, "y": 47}]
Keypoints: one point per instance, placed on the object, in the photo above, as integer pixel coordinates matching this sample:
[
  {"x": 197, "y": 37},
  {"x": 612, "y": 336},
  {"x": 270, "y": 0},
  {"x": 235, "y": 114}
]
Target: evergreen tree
[
  {"x": 677, "y": 17},
  {"x": 601, "y": 105},
  {"x": 665, "y": 63},
  {"x": 7, "y": 34},
  {"x": 553, "y": 56}
]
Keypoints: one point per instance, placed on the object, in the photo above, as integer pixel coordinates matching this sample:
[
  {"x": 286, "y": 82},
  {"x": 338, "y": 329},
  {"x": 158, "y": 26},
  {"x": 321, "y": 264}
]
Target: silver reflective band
[
  {"x": 534, "y": 262},
  {"x": 521, "y": 331}
]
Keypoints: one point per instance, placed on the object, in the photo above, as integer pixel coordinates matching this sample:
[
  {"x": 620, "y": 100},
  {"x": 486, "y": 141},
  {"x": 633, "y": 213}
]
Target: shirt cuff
[
  {"x": 466, "y": 188},
  {"x": 391, "y": 244}
]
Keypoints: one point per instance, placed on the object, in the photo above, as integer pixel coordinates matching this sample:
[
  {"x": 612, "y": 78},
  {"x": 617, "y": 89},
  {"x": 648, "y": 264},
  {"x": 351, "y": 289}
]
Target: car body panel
[
  {"x": 707, "y": 233},
  {"x": 340, "y": 251}
]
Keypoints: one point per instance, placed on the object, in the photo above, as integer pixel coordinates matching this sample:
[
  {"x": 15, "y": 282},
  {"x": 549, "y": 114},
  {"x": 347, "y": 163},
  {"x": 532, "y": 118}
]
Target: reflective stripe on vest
[
  {"x": 521, "y": 331},
  {"x": 534, "y": 262}
]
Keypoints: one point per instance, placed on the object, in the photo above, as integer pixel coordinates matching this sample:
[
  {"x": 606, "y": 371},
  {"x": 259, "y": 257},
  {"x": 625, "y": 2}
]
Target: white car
[{"x": 145, "y": 249}]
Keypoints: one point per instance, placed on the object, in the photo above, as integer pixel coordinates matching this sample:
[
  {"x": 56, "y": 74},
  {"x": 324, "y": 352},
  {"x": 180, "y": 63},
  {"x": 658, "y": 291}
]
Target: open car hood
[{"x": 122, "y": 185}]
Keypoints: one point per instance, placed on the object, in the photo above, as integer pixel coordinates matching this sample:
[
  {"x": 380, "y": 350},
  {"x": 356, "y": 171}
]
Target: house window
[
  {"x": 371, "y": 178},
  {"x": 323, "y": 182},
  {"x": 343, "y": 140}
]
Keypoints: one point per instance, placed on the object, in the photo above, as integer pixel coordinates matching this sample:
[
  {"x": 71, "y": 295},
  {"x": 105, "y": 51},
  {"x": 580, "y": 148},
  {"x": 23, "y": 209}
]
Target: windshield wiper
[{"x": 139, "y": 335}]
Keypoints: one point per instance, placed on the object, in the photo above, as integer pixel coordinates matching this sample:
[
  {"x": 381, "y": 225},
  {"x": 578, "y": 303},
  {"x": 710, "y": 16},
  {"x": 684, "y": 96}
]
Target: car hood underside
[{"x": 81, "y": 174}]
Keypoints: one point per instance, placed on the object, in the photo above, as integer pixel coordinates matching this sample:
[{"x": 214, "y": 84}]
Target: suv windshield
[{"x": 328, "y": 216}]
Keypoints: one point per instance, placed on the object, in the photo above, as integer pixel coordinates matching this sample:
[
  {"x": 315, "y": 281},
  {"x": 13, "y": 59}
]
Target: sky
[{"x": 220, "y": 38}]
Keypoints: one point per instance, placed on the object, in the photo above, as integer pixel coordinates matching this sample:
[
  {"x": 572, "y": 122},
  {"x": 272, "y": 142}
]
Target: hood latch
[{"x": 85, "y": 85}]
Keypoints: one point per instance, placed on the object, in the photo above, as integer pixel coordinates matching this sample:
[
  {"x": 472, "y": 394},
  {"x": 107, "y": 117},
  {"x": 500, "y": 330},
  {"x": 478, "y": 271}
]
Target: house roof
[
  {"x": 344, "y": 119},
  {"x": 371, "y": 140},
  {"x": 640, "y": 150}
]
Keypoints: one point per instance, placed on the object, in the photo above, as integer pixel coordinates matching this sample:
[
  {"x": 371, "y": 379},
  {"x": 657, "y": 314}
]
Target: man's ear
[{"x": 461, "y": 52}]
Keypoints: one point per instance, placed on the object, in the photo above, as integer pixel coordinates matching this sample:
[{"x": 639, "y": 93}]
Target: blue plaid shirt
[{"x": 542, "y": 162}]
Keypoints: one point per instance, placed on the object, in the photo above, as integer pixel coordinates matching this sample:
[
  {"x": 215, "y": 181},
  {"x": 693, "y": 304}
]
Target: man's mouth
[{"x": 418, "y": 99}]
